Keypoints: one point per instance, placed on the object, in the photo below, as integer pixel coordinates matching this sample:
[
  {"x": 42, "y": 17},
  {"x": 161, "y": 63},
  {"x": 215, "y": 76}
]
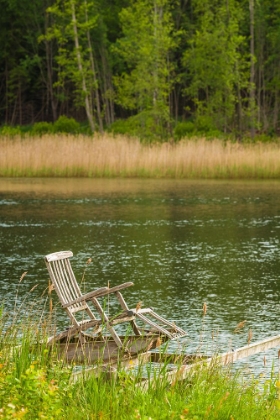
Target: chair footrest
[{"x": 123, "y": 317}]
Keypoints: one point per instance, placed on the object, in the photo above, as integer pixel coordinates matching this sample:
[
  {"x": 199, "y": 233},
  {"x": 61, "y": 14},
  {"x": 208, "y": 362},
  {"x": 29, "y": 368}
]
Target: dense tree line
[{"x": 205, "y": 65}]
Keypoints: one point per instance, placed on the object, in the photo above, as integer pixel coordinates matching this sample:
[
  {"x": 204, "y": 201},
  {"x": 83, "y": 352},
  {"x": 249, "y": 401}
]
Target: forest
[{"x": 152, "y": 68}]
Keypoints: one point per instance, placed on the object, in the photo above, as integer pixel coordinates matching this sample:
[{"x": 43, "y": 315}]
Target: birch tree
[
  {"x": 145, "y": 47},
  {"x": 73, "y": 22},
  {"x": 218, "y": 71}
]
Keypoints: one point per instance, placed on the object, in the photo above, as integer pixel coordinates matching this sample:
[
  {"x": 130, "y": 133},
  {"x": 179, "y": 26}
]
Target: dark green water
[{"x": 182, "y": 243}]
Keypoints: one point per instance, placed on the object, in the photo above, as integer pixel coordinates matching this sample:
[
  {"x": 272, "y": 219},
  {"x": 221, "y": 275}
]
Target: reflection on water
[{"x": 182, "y": 243}]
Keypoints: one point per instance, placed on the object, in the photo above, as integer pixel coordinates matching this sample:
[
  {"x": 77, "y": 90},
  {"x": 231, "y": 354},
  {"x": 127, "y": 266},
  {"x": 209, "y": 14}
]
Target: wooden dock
[{"x": 177, "y": 367}]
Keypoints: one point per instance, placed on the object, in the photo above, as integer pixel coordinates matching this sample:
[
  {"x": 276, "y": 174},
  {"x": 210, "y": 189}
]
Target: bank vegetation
[
  {"x": 35, "y": 384},
  {"x": 121, "y": 156}
]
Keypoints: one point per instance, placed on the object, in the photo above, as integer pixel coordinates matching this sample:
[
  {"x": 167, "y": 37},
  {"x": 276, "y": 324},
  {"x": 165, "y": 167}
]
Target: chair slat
[
  {"x": 66, "y": 282},
  {"x": 62, "y": 282},
  {"x": 79, "y": 308},
  {"x": 61, "y": 255},
  {"x": 72, "y": 279}
]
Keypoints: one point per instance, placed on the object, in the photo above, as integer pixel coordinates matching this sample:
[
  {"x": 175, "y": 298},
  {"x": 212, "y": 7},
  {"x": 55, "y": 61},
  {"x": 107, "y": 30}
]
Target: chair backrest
[{"x": 64, "y": 281}]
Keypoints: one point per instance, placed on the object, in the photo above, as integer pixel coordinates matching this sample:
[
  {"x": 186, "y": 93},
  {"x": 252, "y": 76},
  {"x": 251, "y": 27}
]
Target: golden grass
[{"x": 101, "y": 156}]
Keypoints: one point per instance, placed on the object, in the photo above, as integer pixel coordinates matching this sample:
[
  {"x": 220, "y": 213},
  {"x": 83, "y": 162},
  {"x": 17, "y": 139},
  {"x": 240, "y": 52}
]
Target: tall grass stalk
[{"x": 108, "y": 156}]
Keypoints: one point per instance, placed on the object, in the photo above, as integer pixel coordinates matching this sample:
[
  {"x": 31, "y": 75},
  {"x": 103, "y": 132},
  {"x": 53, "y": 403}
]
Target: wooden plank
[
  {"x": 186, "y": 363},
  {"x": 179, "y": 330},
  {"x": 175, "y": 358},
  {"x": 250, "y": 350},
  {"x": 60, "y": 255},
  {"x": 87, "y": 296},
  {"x": 105, "y": 351},
  {"x": 154, "y": 325},
  {"x": 181, "y": 372},
  {"x": 118, "y": 288},
  {"x": 142, "y": 311},
  {"x": 74, "y": 329}
]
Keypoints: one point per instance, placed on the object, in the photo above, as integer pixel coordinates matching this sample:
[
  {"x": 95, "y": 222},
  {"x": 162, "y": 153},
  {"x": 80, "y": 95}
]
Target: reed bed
[{"x": 108, "y": 156}]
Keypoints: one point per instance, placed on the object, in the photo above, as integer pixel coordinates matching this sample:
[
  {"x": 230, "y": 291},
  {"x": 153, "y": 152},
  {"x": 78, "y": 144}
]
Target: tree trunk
[
  {"x": 252, "y": 71},
  {"x": 6, "y": 93},
  {"x": 107, "y": 87},
  {"x": 80, "y": 68},
  {"x": 97, "y": 99},
  {"x": 52, "y": 99}
]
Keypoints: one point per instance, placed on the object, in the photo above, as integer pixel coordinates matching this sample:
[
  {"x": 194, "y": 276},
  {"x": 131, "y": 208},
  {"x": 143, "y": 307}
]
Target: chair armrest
[
  {"x": 116, "y": 288},
  {"x": 87, "y": 296}
]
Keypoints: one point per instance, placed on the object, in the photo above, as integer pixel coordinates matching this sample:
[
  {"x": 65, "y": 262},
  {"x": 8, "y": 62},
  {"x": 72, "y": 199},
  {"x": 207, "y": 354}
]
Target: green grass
[{"x": 34, "y": 384}]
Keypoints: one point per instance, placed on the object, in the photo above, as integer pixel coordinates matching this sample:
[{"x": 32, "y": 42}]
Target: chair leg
[
  {"x": 107, "y": 323},
  {"x": 126, "y": 308}
]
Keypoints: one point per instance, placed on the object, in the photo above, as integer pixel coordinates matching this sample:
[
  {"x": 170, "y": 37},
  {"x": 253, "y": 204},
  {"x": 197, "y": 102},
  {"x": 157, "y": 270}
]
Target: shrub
[
  {"x": 184, "y": 129},
  {"x": 84, "y": 128},
  {"x": 41, "y": 128},
  {"x": 146, "y": 125},
  {"x": 264, "y": 138},
  {"x": 120, "y": 127},
  {"x": 10, "y": 131},
  {"x": 214, "y": 134},
  {"x": 66, "y": 125},
  {"x": 204, "y": 124},
  {"x": 32, "y": 395}
]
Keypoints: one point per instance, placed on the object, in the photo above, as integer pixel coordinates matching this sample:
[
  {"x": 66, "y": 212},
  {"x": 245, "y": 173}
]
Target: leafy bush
[
  {"x": 66, "y": 125},
  {"x": 204, "y": 124},
  {"x": 264, "y": 138},
  {"x": 41, "y": 128},
  {"x": 120, "y": 127},
  {"x": 10, "y": 131},
  {"x": 84, "y": 128},
  {"x": 32, "y": 395},
  {"x": 214, "y": 134},
  {"x": 184, "y": 129},
  {"x": 146, "y": 125}
]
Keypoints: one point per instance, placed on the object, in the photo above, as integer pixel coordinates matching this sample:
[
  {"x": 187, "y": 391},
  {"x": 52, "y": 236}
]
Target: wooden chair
[{"x": 82, "y": 315}]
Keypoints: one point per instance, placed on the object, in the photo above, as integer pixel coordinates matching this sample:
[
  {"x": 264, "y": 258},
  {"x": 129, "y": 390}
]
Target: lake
[{"x": 182, "y": 243}]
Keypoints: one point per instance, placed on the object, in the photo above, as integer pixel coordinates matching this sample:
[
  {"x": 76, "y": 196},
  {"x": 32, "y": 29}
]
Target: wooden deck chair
[{"x": 82, "y": 315}]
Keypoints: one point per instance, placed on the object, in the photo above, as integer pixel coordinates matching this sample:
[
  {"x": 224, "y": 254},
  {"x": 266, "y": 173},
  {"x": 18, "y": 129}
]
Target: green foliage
[
  {"x": 41, "y": 128},
  {"x": 84, "y": 128},
  {"x": 62, "y": 125},
  {"x": 143, "y": 126},
  {"x": 66, "y": 125},
  {"x": 184, "y": 129},
  {"x": 202, "y": 127},
  {"x": 72, "y": 26},
  {"x": 32, "y": 395},
  {"x": 204, "y": 123},
  {"x": 10, "y": 131},
  {"x": 144, "y": 49},
  {"x": 173, "y": 60},
  {"x": 218, "y": 70},
  {"x": 122, "y": 127}
]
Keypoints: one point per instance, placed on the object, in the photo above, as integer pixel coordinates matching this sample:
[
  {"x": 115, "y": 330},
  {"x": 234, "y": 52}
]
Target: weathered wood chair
[{"x": 82, "y": 315}]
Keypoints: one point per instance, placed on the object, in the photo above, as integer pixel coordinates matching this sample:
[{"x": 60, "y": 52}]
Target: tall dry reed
[{"x": 100, "y": 156}]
